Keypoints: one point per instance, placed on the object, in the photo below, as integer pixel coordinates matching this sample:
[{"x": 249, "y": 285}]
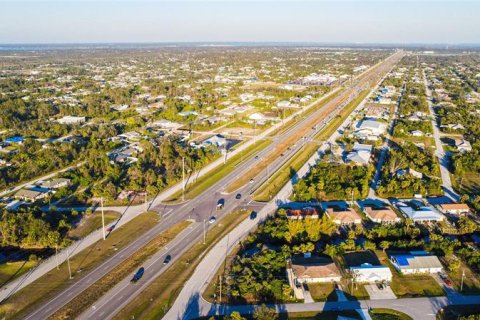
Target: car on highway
[
  {"x": 110, "y": 229},
  {"x": 256, "y": 157},
  {"x": 138, "y": 275},
  {"x": 167, "y": 259},
  {"x": 220, "y": 204},
  {"x": 251, "y": 180},
  {"x": 238, "y": 196},
  {"x": 212, "y": 220}
]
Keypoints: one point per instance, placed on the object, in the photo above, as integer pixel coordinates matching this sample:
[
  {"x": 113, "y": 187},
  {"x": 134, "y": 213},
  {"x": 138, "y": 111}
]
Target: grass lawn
[
  {"x": 323, "y": 291},
  {"x": 359, "y": 291},
  {"x": 208, "y": 180},
  {"x": 155, "y": 301},
  {"x": 469, "y": 183},
  {"x": 408, "y": 286},
  {"x": 55, "y": 280},
  {"x": 310, "y": 315},
  {"x": 281, "y": 177},
  {"x": 388, "y": 314},
  {"x": 471, "y": 281},
  {"x": 12, "y": 270},
  {"x": 413, "y": 285},
  {"x": 91, "y": 223},
  {"x": 88, "y": 297}
]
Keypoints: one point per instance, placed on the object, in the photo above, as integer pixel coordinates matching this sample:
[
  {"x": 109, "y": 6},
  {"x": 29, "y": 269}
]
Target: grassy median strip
[
  {"x": 273, "y": 185},
  {"x": 46, "y": 287},
  {"x": 333, "y": 125},
  {"x": 78, "y": 304},
  {"x": 155, "y": 301},
  {"x": 208, "y": 180}
]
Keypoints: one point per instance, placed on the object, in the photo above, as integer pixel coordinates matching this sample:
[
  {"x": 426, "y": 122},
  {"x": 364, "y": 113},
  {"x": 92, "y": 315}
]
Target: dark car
[
  {"x": 110, "y": 229},
  {"x": 253, "y": 215},
  {"x": 138, "y": 275},
  {"x": 167, "y": 259},
  {"x": 305, "y": 287},
  {"x": 238, "y": 196},
  {"x": 380, "y": 286}
]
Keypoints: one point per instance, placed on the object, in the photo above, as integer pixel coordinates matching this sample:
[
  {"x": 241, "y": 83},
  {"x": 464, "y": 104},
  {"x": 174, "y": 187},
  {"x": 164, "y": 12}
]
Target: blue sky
[{"x": 356, "y": 21}]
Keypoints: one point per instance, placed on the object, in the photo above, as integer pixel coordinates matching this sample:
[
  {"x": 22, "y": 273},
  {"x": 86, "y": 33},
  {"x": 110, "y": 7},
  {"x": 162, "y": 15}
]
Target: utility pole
[
  {"x": 56, "y": 256},
  {"x": 146, "y": 201},
  {"x": 220, "y": 300},
  {"x": 103, "y": 221},
  {"x": 183, "y": 178},
  {"x": 463, "y": 276},
  {"x": 68, "y": 264},
  {"x": 204, "y": 233}
]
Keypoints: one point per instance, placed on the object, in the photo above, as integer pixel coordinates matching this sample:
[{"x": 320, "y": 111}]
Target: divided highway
[{"x": 200, "y": 210}]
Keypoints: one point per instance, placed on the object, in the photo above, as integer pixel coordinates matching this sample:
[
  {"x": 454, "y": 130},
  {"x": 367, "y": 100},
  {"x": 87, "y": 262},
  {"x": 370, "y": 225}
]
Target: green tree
[{"x": 265, "y": 313}]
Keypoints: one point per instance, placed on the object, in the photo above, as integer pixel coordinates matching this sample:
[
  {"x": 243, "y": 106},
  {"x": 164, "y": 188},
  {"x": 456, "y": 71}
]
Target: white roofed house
[
  {"x": 418, "y": 212},
  {"x": 55, "y": 183},
  {"x": 416, "y": 262},
  {"x": 463, "y": 145},
  {"x": 369, "y": 273},
  {"x": 217, "y": 140},
  {"x": 71, "y": 120},
  {"x": 360, "y": 154},
  {"x": 369, "y": 130}
]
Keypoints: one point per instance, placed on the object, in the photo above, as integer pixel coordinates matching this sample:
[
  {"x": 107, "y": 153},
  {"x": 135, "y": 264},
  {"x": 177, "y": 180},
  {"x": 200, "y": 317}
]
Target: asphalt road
[
  {"x": 200, "y": 209},
  {"x": 189, "y": 302}
]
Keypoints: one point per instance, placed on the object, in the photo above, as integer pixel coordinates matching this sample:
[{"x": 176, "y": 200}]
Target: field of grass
[
  {"x": 308, "y": 315},
  {"x": 47, "y": 286},
  {"x": 208, "y": 180},
  {"x": 155, "y": 301},
  {"x": 342, "y": 115},
  {"x": 469, "y": 183},
  {"x": 322, "y": 291},
  {"x": 88, "y": 297},
  {"x": 410, "y": 286},
  {"x": 359, "y": 291},
  {"x": 91, "y": 223},
  {"x": 471, "y": 281},
  {"x": 14, "y": 269},
  {"x": 388, "y": 314},
  {"x": 281, "y": 177}
]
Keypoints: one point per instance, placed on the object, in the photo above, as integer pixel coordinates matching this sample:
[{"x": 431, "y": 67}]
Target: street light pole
[
  {"x": 68, "y": 264},
  {"x": 204, "y": 233},
  {"x": 183, "y": 178},
  {"x": 463, "y": 276},
  {"x": 103, "y": 221}
]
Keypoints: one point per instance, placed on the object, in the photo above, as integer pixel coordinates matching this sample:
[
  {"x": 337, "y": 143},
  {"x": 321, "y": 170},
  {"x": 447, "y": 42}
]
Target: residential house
[
  {"x": 416, "y": 262},
  {"x": 463, "y": 145},
  {"x": 217, "y": 140},
  {"x": 419, "y": 212},
  {"x": 71, "y": 120},
  {"x": 454, "y": 208},
  {"x": 298, "y": 214},
  {"x": 417, "y": 133},
  {"x": 369, "y": 273},
  {"x": 381, "y": 215},
  {"x": 315, "y": 270},
  {"x": 344, "y": 216},
  {"x": 360, "y": 154},
  {"x": 369, "y": 130},
  {"x": 32, "y": 194},
  {"x": 56, "y": 183},
  {"x": 402, "y": 172}
]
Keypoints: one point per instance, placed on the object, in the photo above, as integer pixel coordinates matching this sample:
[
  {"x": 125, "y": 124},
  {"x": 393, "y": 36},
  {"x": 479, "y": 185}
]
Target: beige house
[
  {"x": 310, "y": 270},
  {"x": 454, "y": 208},
  {"x": 381, "y": 215},
  {"x": 30, "y": 195},
  {"x": 344, "y": 216}
]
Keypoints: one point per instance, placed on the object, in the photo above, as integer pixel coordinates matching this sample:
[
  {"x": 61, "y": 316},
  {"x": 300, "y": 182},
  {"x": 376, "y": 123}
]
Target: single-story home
[
  {"x": 30, "y": 195},
  {"x": 416, "y": 262},
  {"x": 311, "y": 270},
  {"x": 381, "y": 215},
  {"x": 297, "y": 214},
  {"x": 454, "y": 208},
  {"x": 463, "y": 145},
  {"x": 217, "y": 140},
  {"x": 367, "y": 272},
  {"x": 360, "y": 154},
  {"x": 55, "y": 183},
  {"x": 420, "y": 213},
  {"x": 344, "y": 216}
]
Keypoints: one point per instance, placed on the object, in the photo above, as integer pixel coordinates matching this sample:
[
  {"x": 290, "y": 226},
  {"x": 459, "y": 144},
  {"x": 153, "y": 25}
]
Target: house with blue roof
[
  {"x": 416, "y": 262},
  {"x": 15, "y": 140}
]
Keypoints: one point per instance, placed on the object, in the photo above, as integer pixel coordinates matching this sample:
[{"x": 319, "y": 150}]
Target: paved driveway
[{"x": 377, "y": 294}]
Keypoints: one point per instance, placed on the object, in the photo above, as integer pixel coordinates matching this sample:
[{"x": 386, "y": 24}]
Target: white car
[{"x": 212, "y": 220}]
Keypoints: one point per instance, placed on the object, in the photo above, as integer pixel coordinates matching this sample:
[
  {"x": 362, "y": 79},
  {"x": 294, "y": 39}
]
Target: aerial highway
[{"x": 200, "y": 210}]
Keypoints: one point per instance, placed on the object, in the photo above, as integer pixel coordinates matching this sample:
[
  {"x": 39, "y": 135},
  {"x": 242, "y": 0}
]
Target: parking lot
[{"x": 378, "y": 294}]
